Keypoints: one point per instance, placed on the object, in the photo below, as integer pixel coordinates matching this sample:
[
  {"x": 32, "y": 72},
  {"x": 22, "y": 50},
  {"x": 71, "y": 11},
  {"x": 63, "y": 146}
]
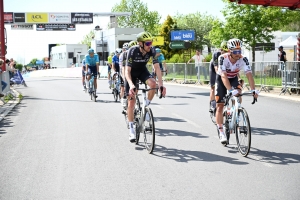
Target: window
[{"x": 70, "y": 55}]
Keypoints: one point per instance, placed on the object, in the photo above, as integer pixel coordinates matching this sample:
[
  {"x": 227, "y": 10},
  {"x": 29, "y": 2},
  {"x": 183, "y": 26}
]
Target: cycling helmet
[
  {"x": 158, "y": 50},
  {"x": 144, "y": 36},
  {"x": 223, "y": 46},
  {"x": 234, "y": 43},
  {"x": 112, "y": 53},
  {"x": 118, "y": 51},
  {"x": 132, "y": 43},
  {"x": 126, "y": 45},
  {"x": 91, "y": 51}
]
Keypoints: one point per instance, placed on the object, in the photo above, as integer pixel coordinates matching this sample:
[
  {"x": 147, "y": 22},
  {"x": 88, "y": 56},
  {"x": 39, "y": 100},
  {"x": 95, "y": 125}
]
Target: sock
[
  {"x": 131, "y": 127},
  {"x": 220, "y": 126},
  {"x": 148, "y": 102}
]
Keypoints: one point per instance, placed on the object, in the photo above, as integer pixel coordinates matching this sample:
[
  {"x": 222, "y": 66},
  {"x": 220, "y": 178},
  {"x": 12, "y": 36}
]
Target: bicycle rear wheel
[
  {"x": 149, "y": 130},
  {"x": 243, "y": 132}
]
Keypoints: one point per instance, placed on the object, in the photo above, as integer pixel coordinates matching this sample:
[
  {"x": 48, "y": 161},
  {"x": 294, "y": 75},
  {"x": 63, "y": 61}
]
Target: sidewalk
[
  {"x": 273, "y": 93},
  {"x": 6, "y": 107}
]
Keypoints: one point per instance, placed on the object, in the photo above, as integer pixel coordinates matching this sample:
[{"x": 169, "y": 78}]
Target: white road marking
[
  {"x": 260, "y": 159},
  {"x": 159, "y": 106},
  {"x": 187, "y": 120}
]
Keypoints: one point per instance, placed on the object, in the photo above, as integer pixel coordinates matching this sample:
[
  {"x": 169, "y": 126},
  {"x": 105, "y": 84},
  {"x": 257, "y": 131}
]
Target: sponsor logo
[
  {"x": 37, "y": 17},
  {"x": 59, "y": 18},
  {"x": 19, "y": 17}
]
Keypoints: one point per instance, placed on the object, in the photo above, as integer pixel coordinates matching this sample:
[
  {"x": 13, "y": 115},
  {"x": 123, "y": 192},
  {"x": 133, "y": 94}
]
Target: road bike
[
  {"x": 116, "y": 87},
  {"x": 236, "y": 120},
  {"x": 92, "y": 91},
  {"x": 144, "y": 120}
]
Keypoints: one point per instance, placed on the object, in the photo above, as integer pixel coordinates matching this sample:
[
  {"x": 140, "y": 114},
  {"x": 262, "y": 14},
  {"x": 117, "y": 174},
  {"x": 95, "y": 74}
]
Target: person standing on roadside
[{"x": 198, "y": 58}]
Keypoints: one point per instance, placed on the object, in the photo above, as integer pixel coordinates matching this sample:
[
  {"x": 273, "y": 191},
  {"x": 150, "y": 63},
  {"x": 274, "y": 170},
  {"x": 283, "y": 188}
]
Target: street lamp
[{"x": 97, "y": 28}]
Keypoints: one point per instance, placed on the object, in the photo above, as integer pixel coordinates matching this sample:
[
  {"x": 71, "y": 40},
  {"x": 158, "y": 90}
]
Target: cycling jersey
[
  {"x": 212, "y": 72},
  {"x": 109, "y": 59},
  {"x": 136, "y": 60},
  {"x": 232, "y": 69},
  {"x": 91, "y": 61},
  {"x": 161, "y": 58},
  {"x": 115, "y": 60}
]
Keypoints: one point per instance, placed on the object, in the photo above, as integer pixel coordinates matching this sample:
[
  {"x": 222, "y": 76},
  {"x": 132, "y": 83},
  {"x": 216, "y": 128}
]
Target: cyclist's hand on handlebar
[
  {"x": 132, "y": 91},
  {"x": 163, "y": 91},
  {"x": 255, "y": 93},
  {"x": 233, "y": 92}
]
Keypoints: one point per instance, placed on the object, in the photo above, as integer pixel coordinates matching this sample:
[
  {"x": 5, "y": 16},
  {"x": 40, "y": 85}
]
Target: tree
[
  {"x": 294, "y": 21},
  {"x": 141, "y": 16},
  {"x": 250, "y": 23},
  {"x": 165, "y": 30},
  {"x": 19, "y": 67},
  {"x": 201, "y": 23},
  {"x": 88, "y": 38}
]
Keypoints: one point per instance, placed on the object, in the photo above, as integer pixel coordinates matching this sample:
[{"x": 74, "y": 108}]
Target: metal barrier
[
  {"x": 5, "y": 77},
  {"x": 290, "y": 77}
]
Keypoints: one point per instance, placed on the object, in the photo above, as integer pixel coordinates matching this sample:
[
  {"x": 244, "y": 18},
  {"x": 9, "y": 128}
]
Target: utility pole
[{"x": 2, "y": 34}]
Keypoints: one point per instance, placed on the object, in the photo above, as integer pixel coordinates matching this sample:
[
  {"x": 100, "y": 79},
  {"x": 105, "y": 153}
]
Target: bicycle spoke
[
  {"x": 149, "y": 130},
  {"x": 243, "y": 132}
]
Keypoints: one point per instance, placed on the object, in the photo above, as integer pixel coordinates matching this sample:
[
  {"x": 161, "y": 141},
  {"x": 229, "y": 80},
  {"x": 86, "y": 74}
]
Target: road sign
[
  {"x": 177, "y": 45},
  {"x": 183, "y": 35}
]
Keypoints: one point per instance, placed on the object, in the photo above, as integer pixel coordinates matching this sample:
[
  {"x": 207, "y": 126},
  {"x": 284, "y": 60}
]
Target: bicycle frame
[
  {"x": 234, "y": 114},
  {"x": 141, "y": 121}
]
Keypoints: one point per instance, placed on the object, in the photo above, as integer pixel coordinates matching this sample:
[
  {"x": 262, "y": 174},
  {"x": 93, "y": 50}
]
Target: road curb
[
  {"x": 7, "y": 107},
  {"x": 292, "y": 98}
]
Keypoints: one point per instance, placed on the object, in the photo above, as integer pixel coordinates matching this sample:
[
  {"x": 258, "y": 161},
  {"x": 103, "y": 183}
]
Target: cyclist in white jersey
[
  {"x": 122, "y": 69},
  {"x": 229, "y": 66}
]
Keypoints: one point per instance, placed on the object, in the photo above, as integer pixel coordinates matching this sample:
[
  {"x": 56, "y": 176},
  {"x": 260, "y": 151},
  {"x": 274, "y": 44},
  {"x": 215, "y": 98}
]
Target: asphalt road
[{"x": 58, "y": 144}]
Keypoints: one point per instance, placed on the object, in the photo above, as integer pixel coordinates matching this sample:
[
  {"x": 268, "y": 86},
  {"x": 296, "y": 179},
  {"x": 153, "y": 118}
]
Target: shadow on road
[
  {"x": 173, "y": 104},
  {"x": 201, "y": 93},
  {"x": 267, "y": 132},
  {"x": 275, "y": 157},
  {"x": 157, "y": 119},
  {"x": 179, "y": 155},
  {"x": 6, "y": 122},
  {"x": 170, "y": 132}
]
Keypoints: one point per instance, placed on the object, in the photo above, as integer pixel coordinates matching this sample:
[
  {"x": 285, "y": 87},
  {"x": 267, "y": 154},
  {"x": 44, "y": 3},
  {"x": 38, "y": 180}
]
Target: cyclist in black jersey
[{"x": 137, "y": 58}]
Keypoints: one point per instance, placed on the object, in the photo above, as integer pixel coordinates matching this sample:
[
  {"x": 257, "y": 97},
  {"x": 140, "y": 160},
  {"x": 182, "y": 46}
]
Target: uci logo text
[{"x": 36, "y": 18}]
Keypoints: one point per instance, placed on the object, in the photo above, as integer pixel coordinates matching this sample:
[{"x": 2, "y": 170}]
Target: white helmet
[
  {"x": 118, "y": 51},
  {"x": 234, "y": 43},
  {"x": 126, "y": 45}
]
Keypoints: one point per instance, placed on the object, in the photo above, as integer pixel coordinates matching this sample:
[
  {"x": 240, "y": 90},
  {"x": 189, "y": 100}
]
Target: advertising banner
[
  {"x": 183, "y": 35},
  {"x": 22, "y": 27},
  {"x": 64, "y": 18},
  {"x": 37, "y": 17},
  {"x": 55, "y": 27},
  {"x": 81, "y": 18},
  {"x": 19, "y": 17},
  {"x": 158, "y": 41},
  {"x": 8, "y": 17}
]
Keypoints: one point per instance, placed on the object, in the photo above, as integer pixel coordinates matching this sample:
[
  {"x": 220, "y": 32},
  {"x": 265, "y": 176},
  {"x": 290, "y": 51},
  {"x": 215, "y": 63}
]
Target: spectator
[
  {"x": 11, "y": 64},
  {"x": 3, "y": 84},
  {"x": 282, "y": 56},
  {"x": 198, "y": 58}
]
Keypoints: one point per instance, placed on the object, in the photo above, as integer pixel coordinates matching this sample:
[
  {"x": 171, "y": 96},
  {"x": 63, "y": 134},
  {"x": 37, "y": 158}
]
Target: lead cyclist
[{"x": 227, "y": 80}]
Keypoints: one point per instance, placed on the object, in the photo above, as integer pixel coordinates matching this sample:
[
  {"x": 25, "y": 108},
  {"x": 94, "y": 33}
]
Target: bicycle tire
[
  {"x": 149, "y": 130},
  {"x": 137, "y": 132},
  {"x": 243, "y": 131},
  {"x": 94, "y": 94},
  {"x": 226, "y": 127},
  {"x": 115, "y": 93}
]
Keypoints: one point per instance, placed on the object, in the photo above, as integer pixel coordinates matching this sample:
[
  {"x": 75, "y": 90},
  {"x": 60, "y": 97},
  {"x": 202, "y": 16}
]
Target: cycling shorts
[
  {"x": 83, "y": 73},
  {"x": 143, "y": 75},
  {"x": 92, "y": 70},
  {"x": 108, "y": 67},
  {"x": 221, "y": 90}
]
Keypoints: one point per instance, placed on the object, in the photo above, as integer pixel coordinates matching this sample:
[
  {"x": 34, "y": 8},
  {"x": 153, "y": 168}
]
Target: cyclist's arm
[
  {"x": 226, "y": 81},
  {"x": 251, "y": 81},
  {"x": 129, "y": 63},
  {"x": 222, "y": 71},
  {"x": 86, "y": 63},
  {"x": 97, "y": 63},
  {"x": 157, "y": 71}
]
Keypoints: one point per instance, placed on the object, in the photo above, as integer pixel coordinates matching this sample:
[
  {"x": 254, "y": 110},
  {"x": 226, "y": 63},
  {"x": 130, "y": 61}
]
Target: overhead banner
[
  {"x": 8, "y": 17},
  {"x": 81, "y": 18},
  {"x": 64, "y": 18},
  {"x": 22, "y": 27},
  {"x": 19, "y": 17},
  {"x": 37, "y": 17},
  {"x": 55, "y": 27}
]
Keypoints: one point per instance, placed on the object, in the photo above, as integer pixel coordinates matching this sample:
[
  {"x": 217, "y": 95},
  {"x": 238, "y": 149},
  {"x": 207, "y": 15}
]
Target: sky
[{"x": 24, "y": 45}]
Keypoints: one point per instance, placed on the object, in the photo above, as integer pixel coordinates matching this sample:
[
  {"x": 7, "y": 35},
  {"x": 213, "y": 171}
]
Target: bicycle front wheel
[
  {"x": 243, "y": 132},
  {"x": 149, "y": 130},
  {"x": 115, "y": 94}
]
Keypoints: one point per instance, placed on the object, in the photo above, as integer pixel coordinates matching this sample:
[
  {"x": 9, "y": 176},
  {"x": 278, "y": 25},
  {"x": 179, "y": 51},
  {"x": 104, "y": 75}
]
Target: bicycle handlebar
[{"x": 228, "y": 96}]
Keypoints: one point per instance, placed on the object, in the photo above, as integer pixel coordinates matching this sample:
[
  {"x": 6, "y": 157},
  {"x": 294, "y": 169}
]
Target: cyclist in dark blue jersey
[{"x": 137, "y": 58}]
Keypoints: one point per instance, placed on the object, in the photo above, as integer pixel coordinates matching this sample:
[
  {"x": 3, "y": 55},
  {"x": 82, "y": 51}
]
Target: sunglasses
[
  {"x": 235, "y": 52},
  {"x": 149, "y": 43}
]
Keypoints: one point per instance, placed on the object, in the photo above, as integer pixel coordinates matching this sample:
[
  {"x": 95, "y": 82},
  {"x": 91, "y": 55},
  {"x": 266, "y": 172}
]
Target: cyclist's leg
[
  {"x": 212, "y": 82},
  {"x": 122, "y": 86},
  {"x": 88, "y": 76},
  {"x": 220, "y": 94},
  {"x": 147, "y": 78},
  {"x": 130, "y": 110},
  {"x": 83, "y": 80}
]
